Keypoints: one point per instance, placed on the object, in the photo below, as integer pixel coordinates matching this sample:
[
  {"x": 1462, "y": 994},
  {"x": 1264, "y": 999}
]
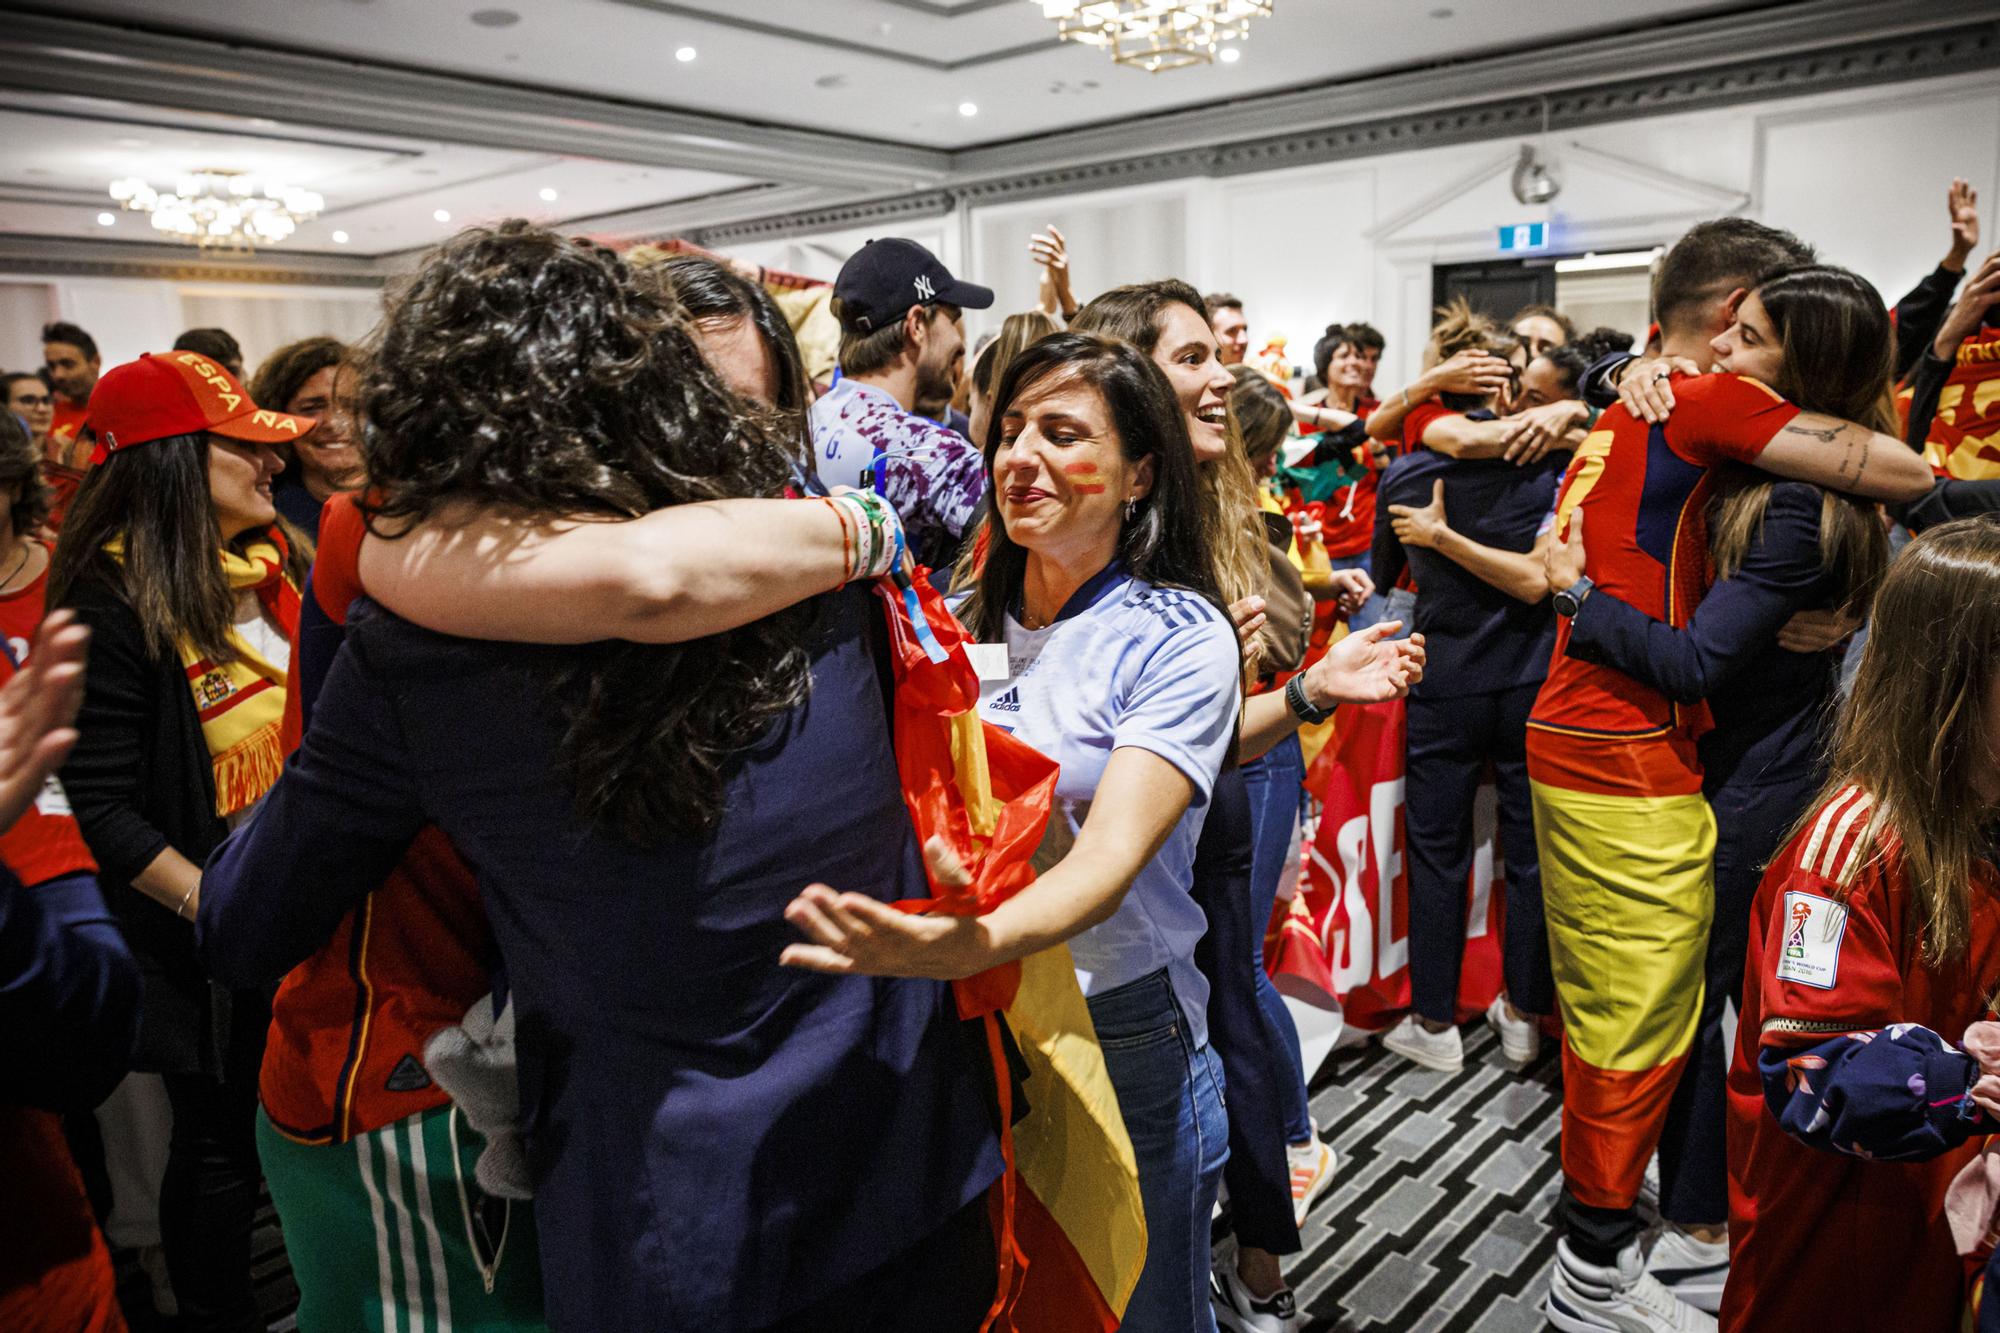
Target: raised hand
[
  {"x": 1962, "y": 202},
  {"x": 1049, "y": 250},
  {"x": 36, "y": 709},
  {"x": 1969, "y": 311}
]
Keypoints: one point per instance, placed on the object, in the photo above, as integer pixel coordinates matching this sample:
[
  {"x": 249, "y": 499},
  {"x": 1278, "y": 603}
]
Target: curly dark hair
[{"x": 528, "y": 371}]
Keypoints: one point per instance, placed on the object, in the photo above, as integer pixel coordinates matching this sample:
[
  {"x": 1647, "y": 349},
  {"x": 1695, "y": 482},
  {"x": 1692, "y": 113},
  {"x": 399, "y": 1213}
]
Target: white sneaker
[
  {"x": 1240, "y": 1312},
  {"x": 1520, "y": 1039},
  {"x": 1587, "y": 1298},
  {"x": 1433, "y": 1050},
  {"x": 1691, "y": 1269},
  {"x": 1312, "y": 1166},
  {"x": 1648, "y": 1202}
]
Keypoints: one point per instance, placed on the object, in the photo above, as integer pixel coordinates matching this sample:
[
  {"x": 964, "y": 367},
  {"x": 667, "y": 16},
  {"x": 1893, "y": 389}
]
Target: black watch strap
[{"x": 1295, "y": 698}]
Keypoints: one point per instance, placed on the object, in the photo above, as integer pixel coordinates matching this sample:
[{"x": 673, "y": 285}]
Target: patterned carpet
[{"x": 1440, "y": 1219}]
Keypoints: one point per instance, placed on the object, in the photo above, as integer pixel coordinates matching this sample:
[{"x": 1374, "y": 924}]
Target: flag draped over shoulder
[{"x": 1068, "y": 1221}]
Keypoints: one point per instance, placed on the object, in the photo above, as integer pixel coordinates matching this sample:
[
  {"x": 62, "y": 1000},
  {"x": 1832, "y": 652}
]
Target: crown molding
[
  {"x": 1943, "y": 44},
  {"x": 901, "y": 208},
  {"x": 61, "y": 256},
  {"x": 45, "y": 53}
]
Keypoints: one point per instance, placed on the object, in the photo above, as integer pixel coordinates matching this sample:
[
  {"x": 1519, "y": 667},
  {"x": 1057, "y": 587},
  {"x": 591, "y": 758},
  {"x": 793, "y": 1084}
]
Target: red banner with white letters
[{"x": 1343, "y": 940}]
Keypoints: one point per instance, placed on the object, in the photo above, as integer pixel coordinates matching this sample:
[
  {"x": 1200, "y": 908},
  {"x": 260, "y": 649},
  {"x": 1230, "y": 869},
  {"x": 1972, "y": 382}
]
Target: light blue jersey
[{"x": 1128, "y": 664}]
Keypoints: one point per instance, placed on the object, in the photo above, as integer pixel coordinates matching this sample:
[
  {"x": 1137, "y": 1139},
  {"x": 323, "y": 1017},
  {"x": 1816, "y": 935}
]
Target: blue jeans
[
  {"x": 1170, "y": 1095},
  {"x": 1376, "y": 607},
  {"x": 1276, "y": 780}
]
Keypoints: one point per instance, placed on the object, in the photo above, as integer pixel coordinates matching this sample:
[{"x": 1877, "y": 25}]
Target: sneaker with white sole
[
  {"x": 1623, "y": 1298},
  {"x": 1443, "y": 1051},
  {"x": 1691, "y": 1268},
  {"x": 1520, "y": 1038},
  {"x": 1237, "y": 1311},
  {"x": 1312, "y": 1164}
]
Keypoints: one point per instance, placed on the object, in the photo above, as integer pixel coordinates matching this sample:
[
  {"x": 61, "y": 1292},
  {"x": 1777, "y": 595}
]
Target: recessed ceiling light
[
  {"x": 1230, "y": 55},
  {"x": 1443, "y": 12},
  {"x": 968, "y": 108},
  {"x": 830, "y": 81},
  {"x": 107, "y": 219},
  {"x": 340, "y": 238},
  {"x": 548, "y": 195},
  {"x": 442, "y": 215},
  {"x": 685, "y": 54},
  {"x": 495, "y": 18}
]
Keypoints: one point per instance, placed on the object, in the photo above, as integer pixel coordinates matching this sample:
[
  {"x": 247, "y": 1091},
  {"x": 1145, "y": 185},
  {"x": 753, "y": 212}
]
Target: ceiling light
[
  {"x": 221, "y": 208},
  {"x": 685, "y": 54},
  {"x": 1156, "y": 35},
  {"x": 340, "y": 238},
  {"x": 442, "y": 215},
  {"x": 1229, "y": 55},
  {"x": 107, "y": 219},
  {"x": 548, "y": 195},
  {"x": 968, "y": 108},
  {"x": 1595, "y": 262},
  {"x": 495, "y": 18}
]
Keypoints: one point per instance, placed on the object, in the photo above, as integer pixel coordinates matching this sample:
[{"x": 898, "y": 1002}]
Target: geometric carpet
[{"x": 1441, "y": 1217}]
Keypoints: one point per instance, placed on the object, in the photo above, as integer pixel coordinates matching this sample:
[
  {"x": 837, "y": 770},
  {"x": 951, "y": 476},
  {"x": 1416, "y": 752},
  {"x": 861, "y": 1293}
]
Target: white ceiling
[
  {"x": 894, "y": 70},
  {"x": 382, "y": 192}
]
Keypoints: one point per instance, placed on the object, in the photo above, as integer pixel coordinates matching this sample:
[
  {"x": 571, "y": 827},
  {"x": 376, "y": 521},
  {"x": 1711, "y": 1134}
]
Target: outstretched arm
[{"x": 676, "y": 574}]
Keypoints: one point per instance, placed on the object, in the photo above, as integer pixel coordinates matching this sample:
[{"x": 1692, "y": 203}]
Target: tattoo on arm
[{"x": 1827, "y": 436}]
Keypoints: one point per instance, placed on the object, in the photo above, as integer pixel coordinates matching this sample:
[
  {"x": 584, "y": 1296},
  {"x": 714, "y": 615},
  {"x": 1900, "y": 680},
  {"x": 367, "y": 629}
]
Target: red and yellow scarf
[{"x": 241, "y": 703}]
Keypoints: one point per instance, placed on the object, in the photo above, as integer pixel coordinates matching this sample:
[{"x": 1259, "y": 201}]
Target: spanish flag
[{"x": 1067, "y": 1216}]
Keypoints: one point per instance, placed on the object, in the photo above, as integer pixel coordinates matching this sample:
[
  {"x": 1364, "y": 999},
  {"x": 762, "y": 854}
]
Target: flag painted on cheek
[{"x": 1084, "y": 478}]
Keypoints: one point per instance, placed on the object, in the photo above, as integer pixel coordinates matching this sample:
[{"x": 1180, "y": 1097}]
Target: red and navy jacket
[{"x": 349, "y": 1025}]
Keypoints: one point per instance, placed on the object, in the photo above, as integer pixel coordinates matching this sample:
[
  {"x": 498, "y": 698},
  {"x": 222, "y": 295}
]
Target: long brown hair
[
  {"x": 1914, "y": 733},
  {"x": 1839, "y": 361},
  {"x": 154, "y": 498},
  {"x": 1262, "y": 419},
  {"x": 1163, "y": 542},
  {"x": 1232, "y": 527}
]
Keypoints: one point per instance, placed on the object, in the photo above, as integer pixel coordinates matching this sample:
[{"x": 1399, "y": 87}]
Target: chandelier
[
  {"x": 1156, "y": 34},
  {"x": 221, "y": 209}
]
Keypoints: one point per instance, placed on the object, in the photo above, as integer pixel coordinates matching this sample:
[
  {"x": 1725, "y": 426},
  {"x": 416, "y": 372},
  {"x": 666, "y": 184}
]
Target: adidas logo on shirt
[{"x": 1010, "y": 702}]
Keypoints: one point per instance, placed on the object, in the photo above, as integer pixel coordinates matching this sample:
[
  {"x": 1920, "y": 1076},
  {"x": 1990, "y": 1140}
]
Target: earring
[{"x": 1131, "y": 504}]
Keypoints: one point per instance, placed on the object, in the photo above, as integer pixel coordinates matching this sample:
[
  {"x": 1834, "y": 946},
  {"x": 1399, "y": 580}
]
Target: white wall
[
  {"x": 128, "y": 316},
  {"x": 1860, "y": 175}
]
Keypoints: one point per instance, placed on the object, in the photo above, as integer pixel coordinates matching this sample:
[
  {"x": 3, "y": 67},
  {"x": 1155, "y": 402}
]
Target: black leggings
[{"x": 208, "y": 1198}]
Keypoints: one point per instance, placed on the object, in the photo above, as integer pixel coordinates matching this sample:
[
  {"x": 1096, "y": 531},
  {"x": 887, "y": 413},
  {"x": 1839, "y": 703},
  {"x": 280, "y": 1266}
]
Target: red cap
[{"x": 179, "y": 393}]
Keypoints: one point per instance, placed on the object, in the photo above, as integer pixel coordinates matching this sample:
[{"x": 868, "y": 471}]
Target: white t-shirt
[{"x": 1129, "y": 664}]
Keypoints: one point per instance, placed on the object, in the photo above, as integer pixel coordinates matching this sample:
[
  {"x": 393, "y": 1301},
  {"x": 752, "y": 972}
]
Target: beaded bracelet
[{"x": 873, "y": 543}]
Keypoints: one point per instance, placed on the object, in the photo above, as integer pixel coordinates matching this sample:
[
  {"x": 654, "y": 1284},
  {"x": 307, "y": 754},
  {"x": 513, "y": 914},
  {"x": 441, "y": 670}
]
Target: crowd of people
[{"x": 482, "y": 772}]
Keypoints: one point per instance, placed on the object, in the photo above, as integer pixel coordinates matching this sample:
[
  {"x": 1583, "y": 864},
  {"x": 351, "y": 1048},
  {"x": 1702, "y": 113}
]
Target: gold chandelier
[
  {"x": 221, "y": 209},
  {"x": 1156, "y": 34}
]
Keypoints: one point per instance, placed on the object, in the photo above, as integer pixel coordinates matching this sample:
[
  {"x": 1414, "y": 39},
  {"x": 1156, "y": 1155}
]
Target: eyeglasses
[{"x": 33, "y": 399}]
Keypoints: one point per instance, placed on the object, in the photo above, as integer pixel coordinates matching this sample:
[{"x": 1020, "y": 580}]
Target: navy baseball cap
[{"x": 883, "y": 279}]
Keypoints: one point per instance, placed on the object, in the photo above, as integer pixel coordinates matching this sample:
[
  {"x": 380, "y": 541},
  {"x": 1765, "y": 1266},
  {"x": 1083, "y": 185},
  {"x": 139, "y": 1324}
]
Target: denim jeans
[
  {"x": 1170, "y": 1095},
  {"x": 1276, "y": 780},
  {"x": 1376, "y": 607}
]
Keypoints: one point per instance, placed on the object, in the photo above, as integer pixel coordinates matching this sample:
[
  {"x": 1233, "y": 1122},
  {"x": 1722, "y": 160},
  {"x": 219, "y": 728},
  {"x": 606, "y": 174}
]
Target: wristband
[{"x": 1295, "y": 699}]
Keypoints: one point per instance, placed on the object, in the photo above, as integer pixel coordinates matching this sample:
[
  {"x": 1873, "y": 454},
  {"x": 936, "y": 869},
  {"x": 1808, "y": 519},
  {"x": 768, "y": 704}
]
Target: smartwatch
[
  {"x": 1570, "y": 600},
  {"x": 1295, "y": 698}
]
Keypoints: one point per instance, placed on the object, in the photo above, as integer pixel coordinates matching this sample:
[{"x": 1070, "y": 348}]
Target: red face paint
[{"x": 1084, "y": 478}]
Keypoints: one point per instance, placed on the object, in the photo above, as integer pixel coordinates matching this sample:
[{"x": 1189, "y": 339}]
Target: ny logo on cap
[{"x": 925, "y": 290}]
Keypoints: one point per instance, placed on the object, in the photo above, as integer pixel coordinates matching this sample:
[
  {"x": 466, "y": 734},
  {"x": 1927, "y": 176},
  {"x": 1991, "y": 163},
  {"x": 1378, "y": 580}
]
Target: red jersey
[
  {"x": 45, "y": 843},
  {"x": 67, "y": 425},
  {"x": 349, "y": 1025},
  {"x": 1820, "y": 1240},
  {"x": 1964, "y": 439},
  {"x": 1349, "y": 524},
  {"x": 1644, "y": 490},
  {"x": 55, "y": 1272}
]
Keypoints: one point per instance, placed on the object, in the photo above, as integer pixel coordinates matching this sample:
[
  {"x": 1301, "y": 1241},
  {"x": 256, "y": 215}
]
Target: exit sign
[{"x": 1524, "y": 236}]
